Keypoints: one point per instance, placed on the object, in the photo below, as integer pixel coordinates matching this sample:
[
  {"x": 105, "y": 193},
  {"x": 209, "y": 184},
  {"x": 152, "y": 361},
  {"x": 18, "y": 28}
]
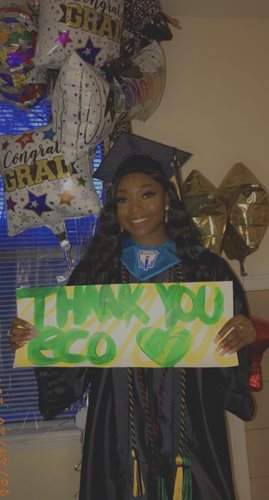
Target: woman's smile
[{"x": 139, "y": 221}]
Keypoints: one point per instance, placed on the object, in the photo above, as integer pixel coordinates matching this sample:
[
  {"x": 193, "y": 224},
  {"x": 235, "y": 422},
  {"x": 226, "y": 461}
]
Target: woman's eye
[
  {"x": 121, "y": 200},
  {"x": 148, "y": 194}
]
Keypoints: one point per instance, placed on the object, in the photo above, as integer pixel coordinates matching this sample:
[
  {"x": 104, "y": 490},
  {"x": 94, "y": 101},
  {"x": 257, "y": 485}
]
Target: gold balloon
[
  {"x": 206, "y": 208},
  {"x": 247, "y": 203}
]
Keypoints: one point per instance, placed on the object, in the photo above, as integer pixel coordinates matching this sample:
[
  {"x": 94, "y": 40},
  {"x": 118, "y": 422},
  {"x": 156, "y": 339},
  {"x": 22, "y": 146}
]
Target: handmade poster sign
[{"x": 142, "y": 325}]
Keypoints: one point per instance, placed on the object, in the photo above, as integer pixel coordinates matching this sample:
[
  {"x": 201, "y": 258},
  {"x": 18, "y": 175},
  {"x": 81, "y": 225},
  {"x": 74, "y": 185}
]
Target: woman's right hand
[{"x": 20, "y": 332}]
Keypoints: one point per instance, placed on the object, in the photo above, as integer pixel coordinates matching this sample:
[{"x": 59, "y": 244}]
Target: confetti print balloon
[
  {"x": 92, "y": 28},
  {"x": 40, "y": 188},
  {"x": 143, "y": 22},
  {"x": 86, "y": 107},
  {"x": 20, "y": 81}
]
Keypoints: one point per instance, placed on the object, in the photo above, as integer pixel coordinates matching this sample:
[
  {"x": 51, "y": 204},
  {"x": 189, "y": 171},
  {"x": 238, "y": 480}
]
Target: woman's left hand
[{"x": 238, "y": 332}]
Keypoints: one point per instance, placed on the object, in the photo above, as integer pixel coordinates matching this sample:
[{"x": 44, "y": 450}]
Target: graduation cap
[{"x": 132, "y": 153}]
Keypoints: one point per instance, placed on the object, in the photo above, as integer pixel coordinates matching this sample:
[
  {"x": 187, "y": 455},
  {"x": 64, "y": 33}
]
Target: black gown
[{"x": 107, "y": 466}]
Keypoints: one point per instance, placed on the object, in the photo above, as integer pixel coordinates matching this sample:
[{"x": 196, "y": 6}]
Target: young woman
[{"x": 145, "y": 427}]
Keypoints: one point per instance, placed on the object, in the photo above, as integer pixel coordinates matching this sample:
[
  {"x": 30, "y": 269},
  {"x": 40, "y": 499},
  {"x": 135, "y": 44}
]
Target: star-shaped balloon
[
  {"x": 89, "y": 52},
  {"x": 206, "y": 209},
  {"x": 37, "y": 204},
  {"x": 247, "y": 203},
  {"x": 50, "y": 192},
  {"x": 85, "y": 116},
  {"x": 66, "y": 26},
  {"x": 63, "y": 38}
]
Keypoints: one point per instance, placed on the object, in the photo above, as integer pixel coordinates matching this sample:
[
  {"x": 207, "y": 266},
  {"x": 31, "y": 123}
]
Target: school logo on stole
[{"x": 147, "y": 258}]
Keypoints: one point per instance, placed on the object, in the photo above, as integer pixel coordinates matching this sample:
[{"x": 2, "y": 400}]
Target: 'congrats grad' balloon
[
  {"x": 92, "y": 27},
  {"x": 40, "y": 188}
]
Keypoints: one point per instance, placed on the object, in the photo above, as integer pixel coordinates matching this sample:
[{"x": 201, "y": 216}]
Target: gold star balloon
[
  {"x": 247, "y": 203},
  {"x": 206, "y": 208}
]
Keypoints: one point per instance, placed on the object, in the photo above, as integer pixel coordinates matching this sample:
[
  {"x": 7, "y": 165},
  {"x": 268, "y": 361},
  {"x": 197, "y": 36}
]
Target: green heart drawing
[{"x": 166, "y": 348}]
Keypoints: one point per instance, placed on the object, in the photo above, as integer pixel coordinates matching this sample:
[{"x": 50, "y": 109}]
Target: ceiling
[
  {"x": 217, "y": 8},
  {"x": 201, "y": 8}
]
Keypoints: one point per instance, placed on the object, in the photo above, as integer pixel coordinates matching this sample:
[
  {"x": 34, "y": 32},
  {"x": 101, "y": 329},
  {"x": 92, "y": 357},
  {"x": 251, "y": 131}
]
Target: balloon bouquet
[
  {"x": 233, "y": 218},
  {"x": 99, "y": 84},
  {"x": 247, "y": 203}
]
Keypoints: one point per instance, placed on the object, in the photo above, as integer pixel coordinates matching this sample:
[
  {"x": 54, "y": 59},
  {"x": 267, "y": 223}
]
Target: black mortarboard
[{"x": 125, "y": 155}]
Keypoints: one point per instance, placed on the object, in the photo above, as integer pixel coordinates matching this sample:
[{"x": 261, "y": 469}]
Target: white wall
[{"x": 216, "y": 102}]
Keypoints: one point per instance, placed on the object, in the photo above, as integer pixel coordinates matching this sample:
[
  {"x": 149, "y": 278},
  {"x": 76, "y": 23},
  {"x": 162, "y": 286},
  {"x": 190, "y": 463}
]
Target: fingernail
[{"x": 31, "y": 332}]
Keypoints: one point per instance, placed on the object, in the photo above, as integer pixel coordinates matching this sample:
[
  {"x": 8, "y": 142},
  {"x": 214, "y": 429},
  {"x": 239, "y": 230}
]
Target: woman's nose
[{"x": 135, "y": 206}]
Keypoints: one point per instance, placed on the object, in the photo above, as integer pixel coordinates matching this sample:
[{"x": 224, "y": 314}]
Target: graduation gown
[{"x": 107, "y": 466}]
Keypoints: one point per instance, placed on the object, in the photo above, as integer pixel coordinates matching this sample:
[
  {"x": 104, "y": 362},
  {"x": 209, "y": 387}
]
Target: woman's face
[{"x": 141, "y": 203}]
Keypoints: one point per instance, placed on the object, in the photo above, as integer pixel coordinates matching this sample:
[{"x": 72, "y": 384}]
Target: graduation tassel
[
  {"x": 187, "y": 479},
  {"x": 138, "y": 483},
  {"x": 183, "y": 481},
  {"x": 178, "y": 486},
  {"x": 162, "y": 493}
]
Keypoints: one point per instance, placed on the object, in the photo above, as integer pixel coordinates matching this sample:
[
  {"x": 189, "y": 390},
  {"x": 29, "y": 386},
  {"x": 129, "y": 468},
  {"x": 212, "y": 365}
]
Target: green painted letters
[
  {"x": 218, "y": 306},
  {"x": 46, "y": 340},
  {"x": 110, "y": 353}
]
